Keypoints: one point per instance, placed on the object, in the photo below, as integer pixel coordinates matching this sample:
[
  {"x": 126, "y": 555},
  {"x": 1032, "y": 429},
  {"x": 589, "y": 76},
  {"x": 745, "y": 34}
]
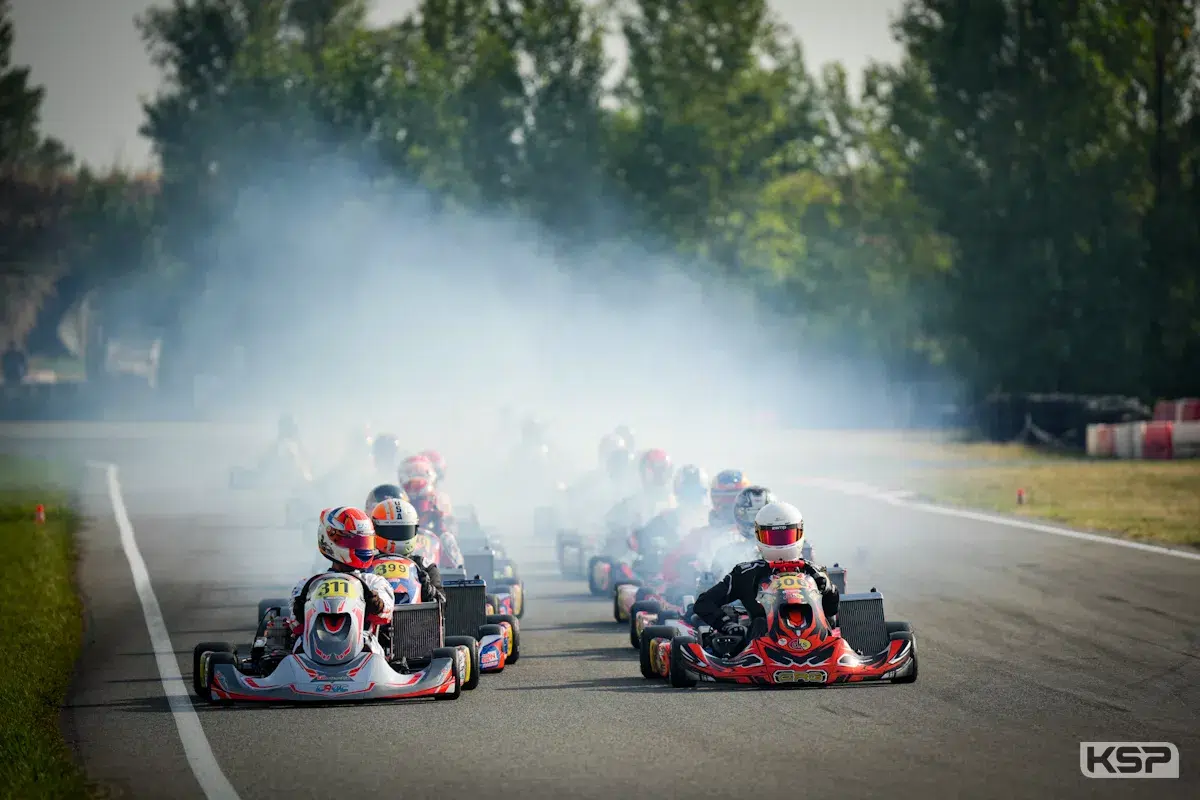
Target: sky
[{"x": 91, "y": 61}]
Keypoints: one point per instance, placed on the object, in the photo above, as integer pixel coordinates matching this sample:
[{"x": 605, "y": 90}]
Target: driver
[
  {"x": 434, "y": 523},
  {"x": 655, "y": 471},
  {"x": 396, "y": 522},
  {"x": 669, "y": 525},
  {"x": 346, "y": 537},
  {"x": 779, "y": 531},
  {"x": 384, "y": 491},
  {"x": 705, "y": 539}
]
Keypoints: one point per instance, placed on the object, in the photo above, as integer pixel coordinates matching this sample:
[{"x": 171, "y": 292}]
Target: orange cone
[{"x": 39, "y": 514}]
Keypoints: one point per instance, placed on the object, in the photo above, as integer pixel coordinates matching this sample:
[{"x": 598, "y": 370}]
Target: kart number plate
[
  {"x": 787, "y": 582},
  {"x": 337, "y": 588},
  {"x": 392, "y": 570}
]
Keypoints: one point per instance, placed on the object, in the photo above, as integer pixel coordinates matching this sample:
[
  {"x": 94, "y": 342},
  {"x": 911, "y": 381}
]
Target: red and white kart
[{"x": 800, "y": 646}]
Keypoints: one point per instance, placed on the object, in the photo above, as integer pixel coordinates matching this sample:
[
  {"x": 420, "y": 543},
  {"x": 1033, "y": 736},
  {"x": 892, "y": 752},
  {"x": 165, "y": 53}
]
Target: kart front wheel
[
  {"x": 646, "y": 648},
  {"x": 197, "y": 670},
  {"x": 208, "y": 666},
  {"x": 642, "y": 606},
  {"x": 599, "y": 575},
  {"x": 515, "y": 628},
  {"x": 456, "y": 666},
  {"x": 907, "y": 635},
  {"x": 679, "y": 676},
  {"x": 471, "y": 644}
]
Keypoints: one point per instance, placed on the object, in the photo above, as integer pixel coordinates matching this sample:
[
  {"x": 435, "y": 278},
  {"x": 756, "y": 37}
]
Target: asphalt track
[{"x": 1029, "y": 644}]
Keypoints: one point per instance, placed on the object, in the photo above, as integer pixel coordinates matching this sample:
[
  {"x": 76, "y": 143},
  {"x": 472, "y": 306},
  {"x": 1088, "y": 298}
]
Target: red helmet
[
  {"x": 437, "y": 462},
  {"x": 346, "y": 536},
  {"x": 655, "y": 469},
  {"x": 417, "y": 467},
  {"x": 725, "y": 488}
]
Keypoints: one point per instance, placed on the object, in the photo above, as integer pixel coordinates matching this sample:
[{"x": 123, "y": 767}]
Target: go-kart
[
  {"x": 484, "y": 557},
  {"x": 468, "y": 614},
  {"x": 652, "y": 604},
  {"x": 339, "y": 659},
  {"x": 800, "y": 646}
]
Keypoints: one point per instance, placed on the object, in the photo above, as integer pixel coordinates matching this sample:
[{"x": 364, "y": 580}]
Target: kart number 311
[{"x": 337, "y": 588}]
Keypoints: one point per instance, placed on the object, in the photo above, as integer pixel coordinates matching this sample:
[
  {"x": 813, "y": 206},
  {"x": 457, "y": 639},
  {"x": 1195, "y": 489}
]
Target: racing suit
[
  {"x": 744, "y": 582},
  {"x": 377, "y": 593},
  {"x": 666, "y": 528},
  {"x": 439, "y": 551},
  {"x": 695, "y": 554},
  {"x": 429, "y": 576}
]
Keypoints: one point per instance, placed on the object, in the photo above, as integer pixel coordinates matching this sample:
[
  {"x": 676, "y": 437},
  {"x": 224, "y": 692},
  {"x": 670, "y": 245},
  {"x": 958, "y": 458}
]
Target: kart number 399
[{"x": 392, "y": 569}]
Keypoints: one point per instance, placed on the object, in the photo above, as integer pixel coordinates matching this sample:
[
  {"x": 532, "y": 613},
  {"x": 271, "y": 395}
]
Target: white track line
[
  {"x": 199, "y": 753},
  {"x": 908, "y": 500}
]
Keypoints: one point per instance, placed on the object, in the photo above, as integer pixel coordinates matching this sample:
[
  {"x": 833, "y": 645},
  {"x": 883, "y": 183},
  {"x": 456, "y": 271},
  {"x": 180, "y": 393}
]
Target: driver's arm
[
  {"x": 431, "y": 583},
  {"x": 830, "y": 599},
  {"x": 708, "y": 605}
]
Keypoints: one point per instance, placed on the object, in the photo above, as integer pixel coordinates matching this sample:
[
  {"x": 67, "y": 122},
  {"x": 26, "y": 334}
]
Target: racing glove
[{"x": 757, "y": 630}]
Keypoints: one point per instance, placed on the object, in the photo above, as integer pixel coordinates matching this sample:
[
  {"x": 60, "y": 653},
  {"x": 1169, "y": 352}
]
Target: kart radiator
[
  {"x": 838, "y": 576},
  {"x": 480, "y": 565},
  {"x": 465, "y": 601},
  {"x": 860, "y": 616},
  {"x": 416, "y": 630}
]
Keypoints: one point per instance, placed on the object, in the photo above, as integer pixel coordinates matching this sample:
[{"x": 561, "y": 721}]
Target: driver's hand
[
  {"x": 758, "y": 628},
  {"x": 733, "y": 628}
]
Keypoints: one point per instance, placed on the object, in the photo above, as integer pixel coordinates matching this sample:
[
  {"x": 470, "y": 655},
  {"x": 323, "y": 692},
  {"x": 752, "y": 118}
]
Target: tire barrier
[
  {"x": 1159, "y": 440},
  {"x": 1185, "y": 409}
]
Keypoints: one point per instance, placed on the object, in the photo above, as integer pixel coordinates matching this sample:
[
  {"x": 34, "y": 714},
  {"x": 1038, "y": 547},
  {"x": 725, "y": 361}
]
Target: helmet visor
[
  {"x": 395, "y": 531},
  {"x": 354, "y": 541},
  {"x": 780, "y": 537}
]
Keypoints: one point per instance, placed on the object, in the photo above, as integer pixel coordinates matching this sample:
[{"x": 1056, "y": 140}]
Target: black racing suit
[
  {"x": 746, "y": 580},
  {"x": 431, "y": 580}
]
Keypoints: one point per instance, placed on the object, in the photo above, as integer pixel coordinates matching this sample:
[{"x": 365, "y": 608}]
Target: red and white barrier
[
  {"x": 1185, "y": 409},
  {"x": 1160, "y": 439}
]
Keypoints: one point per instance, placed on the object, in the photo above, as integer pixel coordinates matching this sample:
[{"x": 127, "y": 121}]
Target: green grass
[
  {"x": 1143, "y": 500},
  {"x": 41, "y": 628}
]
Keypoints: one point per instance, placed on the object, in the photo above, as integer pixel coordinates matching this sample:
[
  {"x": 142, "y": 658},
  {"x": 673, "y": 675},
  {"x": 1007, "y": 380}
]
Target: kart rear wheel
[
  {"x": 645, "y": 645},
  {"x": 518, "y": 596},
  {"x": 197, "y": 652},
  {"x": 452, "y": 654},
  {"x": 897, "y": 627},
  {"x": 907, "y": 636},
  {"x": 649, "y": 606},
  {"x": 472, "y": 646},
  {"x": 211, "y": 659},
  {"x": 515, "y": 625},
  {"x": 680, "y": 678},
  {"x": 595, "y": 586}
]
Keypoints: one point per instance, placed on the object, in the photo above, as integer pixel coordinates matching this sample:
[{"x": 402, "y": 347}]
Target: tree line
[{"x": 1016, "y": 202}]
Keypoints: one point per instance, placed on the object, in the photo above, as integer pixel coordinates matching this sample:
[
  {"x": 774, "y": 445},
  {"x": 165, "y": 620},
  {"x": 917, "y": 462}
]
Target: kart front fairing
[{"x": 367, "y": 677}]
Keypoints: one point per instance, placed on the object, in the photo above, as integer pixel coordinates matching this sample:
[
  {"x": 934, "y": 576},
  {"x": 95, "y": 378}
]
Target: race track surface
[{"x": 1029, "y": 644}]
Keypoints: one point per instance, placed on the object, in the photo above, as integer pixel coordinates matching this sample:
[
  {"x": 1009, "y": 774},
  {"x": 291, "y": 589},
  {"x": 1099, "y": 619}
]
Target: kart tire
[
  {"x": 197, "y": 652},
  {"x": 648, "y": 636},
  {"x": 282, "y": 603},
  {"x": 680, "y": 679},
  {"x": 492, "y": 630},
  {"x": 214, "y": 658},
  {"x": 907, "y": 635},
  {"x": 452, "y": 654},
  {"x": 897, "y": 627},
  {"x": 635, "y": 637},
  {"x": 596, "y": 589},
  {"x": 509, "y": 583},
  {"x": 472, "y": 645},
  {"x": 513, "y": 623}
]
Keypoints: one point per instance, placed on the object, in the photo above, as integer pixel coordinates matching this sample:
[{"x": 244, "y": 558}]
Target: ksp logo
[{"x": 1129, "y": 759}]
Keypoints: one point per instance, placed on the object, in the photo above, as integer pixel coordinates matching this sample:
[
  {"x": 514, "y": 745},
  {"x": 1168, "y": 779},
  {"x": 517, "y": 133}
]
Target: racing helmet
[
  {"x": 779, "y": 528},
  {"x": 437, "y": 461},
  {"x": 691, "y": 485},
  {"x": 609, "y": 444},
  {"x": 655, "y": 470},
  {"x": 396, "y": 523},
  {"x": 627, "y": 435},
  {"x": 346, "y": 536},
  {"x": 747, "y": 504},
  {"x": 385, "y": 451},
  {"x": 426, "y": 501},
  {"x": 384, "y": 491},
  {"x": 417, "y": 467},
  {"x": 724, "y": 490}
]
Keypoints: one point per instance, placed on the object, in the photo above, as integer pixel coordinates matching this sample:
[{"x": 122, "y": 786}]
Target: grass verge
[
  {"x": 41, "y": 627},
  {"x": 1156, "y": 501}
]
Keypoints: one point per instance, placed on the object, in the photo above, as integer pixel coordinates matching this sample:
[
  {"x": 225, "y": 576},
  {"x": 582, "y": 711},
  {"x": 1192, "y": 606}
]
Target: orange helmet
[{"x": 725, "y": 488}]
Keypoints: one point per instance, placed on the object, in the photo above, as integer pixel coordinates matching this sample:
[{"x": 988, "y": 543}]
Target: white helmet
[
  {"x": 396, "y": 524},
  {"x": 779, "y": 528}
]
